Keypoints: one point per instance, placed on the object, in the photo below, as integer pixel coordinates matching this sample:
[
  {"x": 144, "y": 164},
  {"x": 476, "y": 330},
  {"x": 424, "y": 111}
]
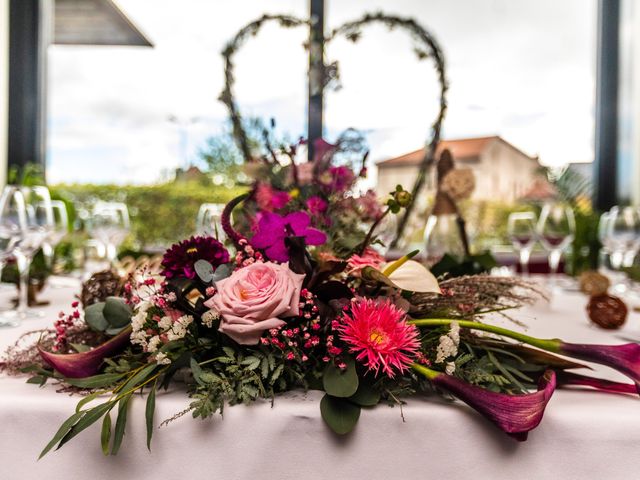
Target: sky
[{"x": 522, "y": 69}]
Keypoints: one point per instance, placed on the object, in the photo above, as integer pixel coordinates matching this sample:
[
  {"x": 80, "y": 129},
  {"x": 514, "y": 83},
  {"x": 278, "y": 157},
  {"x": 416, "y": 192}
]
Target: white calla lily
[{"x": 414, "y": 277}]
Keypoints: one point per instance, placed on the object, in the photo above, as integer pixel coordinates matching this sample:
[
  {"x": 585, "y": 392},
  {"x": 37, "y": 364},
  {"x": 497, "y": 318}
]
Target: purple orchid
[
  {"x": 515, "y": 415},
  {"x": 574, "y": 379},
  {"x": 623, "y": 358},
  {"x": 273, "y": 229}
]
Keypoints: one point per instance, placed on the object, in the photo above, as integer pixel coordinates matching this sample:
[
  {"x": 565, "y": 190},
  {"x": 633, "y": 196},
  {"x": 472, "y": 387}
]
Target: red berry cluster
[
  {"x": 297, "y": 343},
  {"x": 62, "y": 326}
]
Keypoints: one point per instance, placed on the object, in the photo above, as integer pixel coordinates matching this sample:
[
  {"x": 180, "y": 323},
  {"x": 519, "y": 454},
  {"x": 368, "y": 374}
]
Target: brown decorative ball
[
  {"x": 100, "y": 286},
  {"x": 594, "y": 283},
  {"x": 607, "y": 311}
]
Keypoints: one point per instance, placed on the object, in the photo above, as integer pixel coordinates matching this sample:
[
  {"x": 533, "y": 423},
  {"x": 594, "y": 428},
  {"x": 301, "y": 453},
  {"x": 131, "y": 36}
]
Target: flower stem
[
  {"x": 427, "y": 372},
  {"x": 550, "y": 345},
  {"x": 367, "y": 239}
]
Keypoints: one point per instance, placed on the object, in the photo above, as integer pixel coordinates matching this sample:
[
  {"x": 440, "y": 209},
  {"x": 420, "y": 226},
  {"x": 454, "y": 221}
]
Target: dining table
[{"x": 583, "y": 435}]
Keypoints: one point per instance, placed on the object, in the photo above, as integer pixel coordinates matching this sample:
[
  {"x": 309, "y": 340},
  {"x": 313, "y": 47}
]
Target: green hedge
[{"x": 160, "y": 214}]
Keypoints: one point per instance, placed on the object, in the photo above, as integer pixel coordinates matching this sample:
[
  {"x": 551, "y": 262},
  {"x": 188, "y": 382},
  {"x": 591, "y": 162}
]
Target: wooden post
[{"x": 316, "y": 73}]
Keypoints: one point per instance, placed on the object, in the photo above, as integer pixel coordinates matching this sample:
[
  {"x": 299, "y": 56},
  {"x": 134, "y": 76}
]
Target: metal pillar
[
  {"x": 606, "y": 134},
  {"x": 29, "y": 36},
  {"x": 316, "y": 73}
]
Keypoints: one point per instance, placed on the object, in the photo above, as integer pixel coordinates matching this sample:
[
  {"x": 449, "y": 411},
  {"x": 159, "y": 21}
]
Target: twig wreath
[{"x": 426, "y": 47}]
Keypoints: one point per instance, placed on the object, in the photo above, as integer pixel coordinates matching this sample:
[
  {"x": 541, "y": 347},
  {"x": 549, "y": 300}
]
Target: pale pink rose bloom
[
  {"x": 256, "y": 298},
  {"x": 370, "y": 258},
  {"x": 305, "y": 173}
]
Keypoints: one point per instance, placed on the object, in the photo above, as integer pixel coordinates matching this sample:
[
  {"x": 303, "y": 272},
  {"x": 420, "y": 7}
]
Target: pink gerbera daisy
[{"x": 380, "y": 336}]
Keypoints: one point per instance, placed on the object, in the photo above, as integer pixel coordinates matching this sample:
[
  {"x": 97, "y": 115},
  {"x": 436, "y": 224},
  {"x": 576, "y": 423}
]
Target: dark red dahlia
[{"x": 179, "y": 260}]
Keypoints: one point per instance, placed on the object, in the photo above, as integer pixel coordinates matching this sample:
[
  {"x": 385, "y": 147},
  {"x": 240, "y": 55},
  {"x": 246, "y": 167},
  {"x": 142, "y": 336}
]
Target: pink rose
[
  {"x": 370, "y": 258},
  {"x": 305, "y": 173},
  {"x": 256, "y": 298}
]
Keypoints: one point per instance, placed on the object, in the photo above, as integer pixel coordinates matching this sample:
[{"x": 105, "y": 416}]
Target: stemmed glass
[
  {"x": 556, "y": 229},
  {"x": 521, "y": 228},
  {"x": 13, "y": 224},
  {"x": 622, "y": 240},
  {"x": 624, "y": 229},
  {"x": 26, "y": 210},
  {"x": 208, "y": 221},
  {"x": 58, "y": 231},
  {"x": 109, "y": 224}
]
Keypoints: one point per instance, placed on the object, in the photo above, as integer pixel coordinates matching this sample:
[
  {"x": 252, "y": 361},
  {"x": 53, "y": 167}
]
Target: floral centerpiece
[{"x": 299, "y": 297}]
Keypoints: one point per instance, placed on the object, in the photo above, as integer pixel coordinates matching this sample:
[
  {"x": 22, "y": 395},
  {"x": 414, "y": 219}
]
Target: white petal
[{"x": 414, "y": 277}]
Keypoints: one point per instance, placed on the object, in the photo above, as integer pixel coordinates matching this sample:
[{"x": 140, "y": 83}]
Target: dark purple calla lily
[
  {"x": 575, "y": 379},
  {"x": 515, "y": 415},
  {"x": 623, "y": 358},
  {"x": 86, "y": 364}
]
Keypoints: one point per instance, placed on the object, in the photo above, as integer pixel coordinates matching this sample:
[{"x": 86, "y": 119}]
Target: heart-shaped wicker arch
[{"x": 427, "y": 47}]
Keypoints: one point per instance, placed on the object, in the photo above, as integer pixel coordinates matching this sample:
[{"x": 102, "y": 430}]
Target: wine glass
[
  {"x": 208, "y": 221},
  {"x": 623, "y": 241},
  {"x": 40, "y": 225},
  {"x": 19, "y": 212},
  {"x": 57, "y": 233},
  {"x": 556, "y": 230},
  {"x": 521, "y": 228},
  {"x": 624, "y": 228},
  {"x": 13, "y": 223},
  {"x": 109, "y": 224}
]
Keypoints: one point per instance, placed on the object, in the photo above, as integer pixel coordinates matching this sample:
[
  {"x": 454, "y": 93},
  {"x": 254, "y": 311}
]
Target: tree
[{"x": 222, "y": 157}]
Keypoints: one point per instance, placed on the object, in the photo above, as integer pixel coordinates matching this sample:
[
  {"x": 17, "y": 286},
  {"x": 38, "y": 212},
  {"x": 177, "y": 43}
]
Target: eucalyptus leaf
[
  {"x": 121, "y": 423},
  {"x": 89, "y": 418},
  {"x": 105, "y": 433},
  {"x": 96, "y": 381},
  {"x": 339, "y": 414},
  {"x": 340, "y": 383},
  {"x": 94, "y": 316},
  {"x": 366, "y": 395},
  {"x": 86, "y": 400},
  {"x": 204, "y": 270},
  {"x": 117, "y": 312},
  {"x": 223, "y": 271},
  {"x": 62, "y": 431},
  {"x": 149, "y": 413}
]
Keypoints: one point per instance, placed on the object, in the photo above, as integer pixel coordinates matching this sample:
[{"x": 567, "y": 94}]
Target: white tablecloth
[{"x": 583, "y": 435}]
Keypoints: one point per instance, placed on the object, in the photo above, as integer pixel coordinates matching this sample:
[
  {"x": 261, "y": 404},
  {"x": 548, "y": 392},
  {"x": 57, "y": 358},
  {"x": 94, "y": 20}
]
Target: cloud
[{"x": 514, "y": 70}]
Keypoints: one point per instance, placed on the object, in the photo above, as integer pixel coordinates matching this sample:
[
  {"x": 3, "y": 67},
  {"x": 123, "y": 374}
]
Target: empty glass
[
  {"x": 13, "y": 222},
  {"x": 58, "y": 231},
  {"x": 27, "y": 212},
  {"x": 208, "y": 221},
  {"x": 442, "y": 235},
  {"x": 624, "y": 234},
  {"x": 521, "y": 228},
  {"x": 109, "y": 224},
  {"x": 556, "y": 229}
]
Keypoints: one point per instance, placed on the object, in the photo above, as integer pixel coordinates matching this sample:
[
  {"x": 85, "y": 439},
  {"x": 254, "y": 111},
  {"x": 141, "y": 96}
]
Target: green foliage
[
  {"x": 341, "y": 383},
  {"x": 223, "y": 158},
  {"x": 110, "y": 316},
  {"x": 240, "y": 377},
  {"x": 457, "y": 267},
  {"x": 339, "y": 414},
  {"x": 160, "y": 214}
]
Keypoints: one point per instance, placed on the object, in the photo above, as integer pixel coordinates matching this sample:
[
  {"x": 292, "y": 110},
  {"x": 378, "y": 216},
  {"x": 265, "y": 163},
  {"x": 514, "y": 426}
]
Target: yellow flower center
[
  {"x": 192, "y": 250},
  {"x": 377, "y": 337},
  {"x": 294, "y": 193}
]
